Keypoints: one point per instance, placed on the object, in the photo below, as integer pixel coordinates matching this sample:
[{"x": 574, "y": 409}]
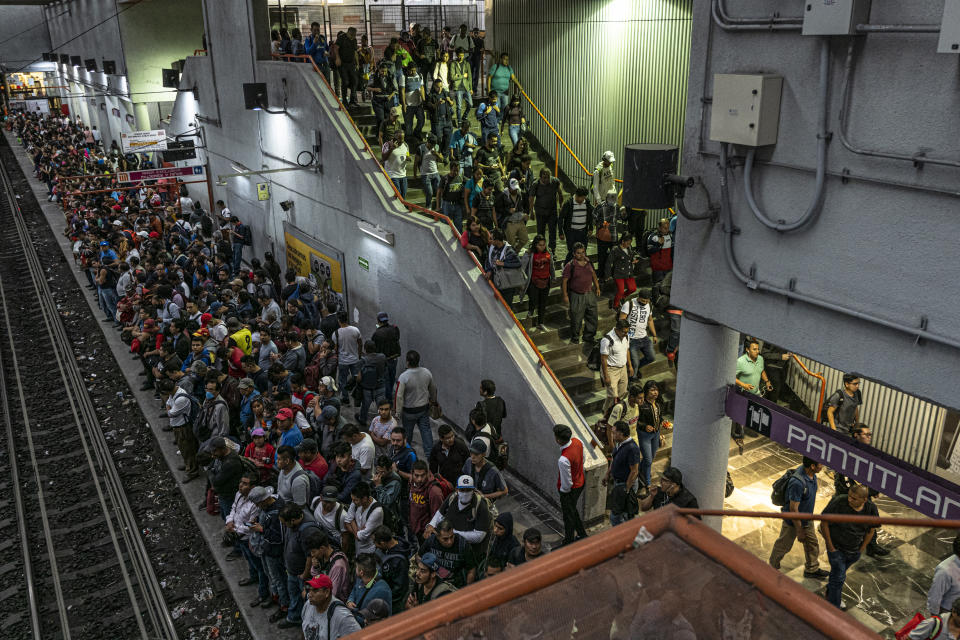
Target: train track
[{"x": 72, "y": 562}]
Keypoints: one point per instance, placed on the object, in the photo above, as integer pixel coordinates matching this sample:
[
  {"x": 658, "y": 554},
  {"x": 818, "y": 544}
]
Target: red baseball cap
[
  {"x": 322, "y": 581},
  {"x": 154, "y": 235},
  {"x": 205, "y": 318},
  {"x": 284, "y": 414}
]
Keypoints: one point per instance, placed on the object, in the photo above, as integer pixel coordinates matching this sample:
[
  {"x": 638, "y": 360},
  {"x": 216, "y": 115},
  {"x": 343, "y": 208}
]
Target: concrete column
[
  {"x": 141, "y": 113},
  {"x": 701, "y": 437}
]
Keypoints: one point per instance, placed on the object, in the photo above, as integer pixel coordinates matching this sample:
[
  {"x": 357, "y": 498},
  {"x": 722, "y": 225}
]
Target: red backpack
[{"x": 445, "y": 487}]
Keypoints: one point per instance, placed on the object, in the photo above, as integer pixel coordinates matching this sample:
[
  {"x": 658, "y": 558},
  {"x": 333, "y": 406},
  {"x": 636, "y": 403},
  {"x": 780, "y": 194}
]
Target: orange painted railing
[
  {"x": 199, "y": 52},
  {"x": 818, "y": 376},
  {"x": 557, "y": 137},
  {"x": 437, "y": 217}
]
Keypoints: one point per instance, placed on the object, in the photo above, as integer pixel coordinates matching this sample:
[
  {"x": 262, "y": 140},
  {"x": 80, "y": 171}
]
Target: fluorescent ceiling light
[{"x": 375, "y": 231}]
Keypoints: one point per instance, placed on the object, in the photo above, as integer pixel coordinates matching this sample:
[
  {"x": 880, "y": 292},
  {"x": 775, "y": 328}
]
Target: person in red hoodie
[
  {"x": 570, "y": 482},
  {"x": 660, "y": 250},
  {"x": 540, "y": 281},
  {"x": 426, "y": 496}
]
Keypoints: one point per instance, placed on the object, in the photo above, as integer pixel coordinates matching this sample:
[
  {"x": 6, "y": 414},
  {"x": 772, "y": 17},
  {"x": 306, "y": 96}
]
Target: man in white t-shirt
[
  {"x": 615, "y": 367},
  {"x": 643, "y": 334},
  {"x": 348, "y": 340},
  {"x": 362, "y": 449},
  {"x": 395, "y": 155}
]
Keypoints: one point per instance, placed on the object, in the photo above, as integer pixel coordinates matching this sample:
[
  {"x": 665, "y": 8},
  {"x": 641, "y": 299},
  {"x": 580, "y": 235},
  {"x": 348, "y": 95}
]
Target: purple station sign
[{"x": 917, "y": 488}]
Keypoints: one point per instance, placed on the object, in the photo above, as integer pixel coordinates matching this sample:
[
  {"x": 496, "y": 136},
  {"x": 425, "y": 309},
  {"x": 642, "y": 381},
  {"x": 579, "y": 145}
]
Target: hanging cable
[{"x": 823, "y": 138}]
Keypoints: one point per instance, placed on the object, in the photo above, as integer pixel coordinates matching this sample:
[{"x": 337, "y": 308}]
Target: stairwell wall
[{"x": 426, "y": 282}]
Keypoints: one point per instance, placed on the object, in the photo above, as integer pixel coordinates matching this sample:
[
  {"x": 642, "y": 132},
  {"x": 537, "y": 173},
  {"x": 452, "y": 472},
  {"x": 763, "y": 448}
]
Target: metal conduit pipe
[
  {"x": 898, "y": 28},
  {"x": 769, "y": 25},
  {"x": 775, "y": 18},
  {"x": 845, "y": 97},
  {"x": 822, "y": 138},
  {"x": 757, "y": 285}
]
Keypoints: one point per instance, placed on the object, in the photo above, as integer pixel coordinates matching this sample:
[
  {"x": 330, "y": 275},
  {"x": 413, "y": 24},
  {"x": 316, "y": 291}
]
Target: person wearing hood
[
  {"x": 394, "y": 555},
  {"x": 502, "y": 544}
]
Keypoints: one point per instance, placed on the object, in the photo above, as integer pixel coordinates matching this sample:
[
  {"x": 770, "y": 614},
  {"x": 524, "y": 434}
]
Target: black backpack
[
  {"x": 391, "y": 517},
  {"x": 316, "y": 484},
  {"x": 194, "y": 409},
  {"x": 368, "y": 375},
  {"x": 246, "y": 235},
  {"x": 593, "y": 360},
  {"x": 778, "y": 495},
  {"x": 644, "y": 239},
  {"x": 824, "y": 418}
]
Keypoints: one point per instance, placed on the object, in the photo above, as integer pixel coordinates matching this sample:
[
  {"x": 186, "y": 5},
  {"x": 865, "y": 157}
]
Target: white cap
[
  {"x": 143, "y": 234},
  {"x": 465, "y": 482},
  {"x": 608, "y": 156},
  {"x": 117, "y": 223},
  {"x": 514, "y": 184}
]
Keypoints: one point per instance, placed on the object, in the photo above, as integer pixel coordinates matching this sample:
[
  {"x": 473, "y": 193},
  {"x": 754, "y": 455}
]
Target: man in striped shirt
[{"x": 575, "y": 221}]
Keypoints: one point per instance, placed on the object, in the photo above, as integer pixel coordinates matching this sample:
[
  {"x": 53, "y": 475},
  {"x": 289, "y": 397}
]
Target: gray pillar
[{"x": 701, "y": 437}]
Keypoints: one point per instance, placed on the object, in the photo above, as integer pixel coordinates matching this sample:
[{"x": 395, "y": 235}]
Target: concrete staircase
[{"x": 568, "y": 361}]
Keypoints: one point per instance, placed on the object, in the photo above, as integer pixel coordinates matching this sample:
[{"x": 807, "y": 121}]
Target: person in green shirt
[
  {"x": 499, "y": 81},
  {"x": 750, "y": 368}
]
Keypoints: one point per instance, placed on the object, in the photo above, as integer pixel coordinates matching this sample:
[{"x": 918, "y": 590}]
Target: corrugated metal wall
[
  {"x": 605, "y": 72},
  {"x": 903, "y": 425}
]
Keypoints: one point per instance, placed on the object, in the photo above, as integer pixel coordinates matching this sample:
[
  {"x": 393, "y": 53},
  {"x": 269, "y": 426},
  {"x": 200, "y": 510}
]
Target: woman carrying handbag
[{"x": 649, "y": 425}]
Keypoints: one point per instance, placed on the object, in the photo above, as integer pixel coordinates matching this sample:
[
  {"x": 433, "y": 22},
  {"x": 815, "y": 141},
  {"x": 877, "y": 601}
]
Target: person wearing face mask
[{"x": 468, "y": 512}]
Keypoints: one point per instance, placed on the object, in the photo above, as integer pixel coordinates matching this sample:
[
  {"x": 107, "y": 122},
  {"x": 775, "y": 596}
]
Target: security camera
[{"x": 286, "y": 204}]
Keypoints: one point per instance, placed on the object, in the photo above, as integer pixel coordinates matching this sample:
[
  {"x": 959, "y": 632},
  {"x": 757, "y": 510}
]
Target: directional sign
[
  {"x": 917, "y": 488},
  {"x": 143, "y": 141},
  {"x": 153, "y": 174}
]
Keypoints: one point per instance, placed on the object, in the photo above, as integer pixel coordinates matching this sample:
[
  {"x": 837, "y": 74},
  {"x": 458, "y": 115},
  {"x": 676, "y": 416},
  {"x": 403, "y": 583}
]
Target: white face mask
[{"x": 464, "y": 497}]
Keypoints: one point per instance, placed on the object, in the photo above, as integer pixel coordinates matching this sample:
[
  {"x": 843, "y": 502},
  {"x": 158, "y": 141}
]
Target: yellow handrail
[
  {"x": 437, "y": 217},
  {"x": 559, "y": 139}
]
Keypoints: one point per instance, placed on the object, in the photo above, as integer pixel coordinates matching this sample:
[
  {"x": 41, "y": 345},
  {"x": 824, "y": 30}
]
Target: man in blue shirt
[
  {"x": 316, "y": 47},
  {"x": 801, "y": 496},
  {"x": 623, "y": 472}
]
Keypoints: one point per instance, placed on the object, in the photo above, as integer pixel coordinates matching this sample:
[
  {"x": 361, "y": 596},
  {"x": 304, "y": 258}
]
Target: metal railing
[
  {"x": 818, "y": 376},
  {"x": 437, "y": 217},
  {"x": 558, "y": 139}
]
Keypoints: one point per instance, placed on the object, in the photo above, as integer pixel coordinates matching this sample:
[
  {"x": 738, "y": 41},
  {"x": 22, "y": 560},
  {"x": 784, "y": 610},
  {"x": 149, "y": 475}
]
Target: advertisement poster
[{"x": 320, "y": 263}]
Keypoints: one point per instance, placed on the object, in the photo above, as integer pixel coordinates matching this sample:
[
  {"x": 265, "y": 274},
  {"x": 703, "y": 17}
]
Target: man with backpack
[
  {"x": 183, "y": 409},
  {"x": 486, "y": 477},
  {"x": 299, "y": 526},
  {"x": 843, "y": 405},
  {"x": 470, "y": 514},
  {"x": 325, "y": 617},
  {"x": 643, "y": 333},
  {"x": 329, "y": 514},
  {"x": 363, "y": 517},
  {"x": 427, "y": 493},
  {"x": 295, "y": 485},
  {"x": 349, "y": 344},
  {"x": 581, "y": 289},
  {"x": 615, "y": 366},
  {"x": 796, "y": 491},
  {"x": 457, "y": 557},
  {"x": 394, "y": 555},
  {"x": 373, "y": 368},
  {"x": 369, "y": 584},
  {"x": 224, "y": 477},
  {"x": 241, "y": 236},
  {"x": 659, "y": 247}
]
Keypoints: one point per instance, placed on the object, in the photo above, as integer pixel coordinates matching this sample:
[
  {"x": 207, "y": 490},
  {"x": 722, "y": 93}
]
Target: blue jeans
[
  {"x": 237, "y": 257},
  {"x": 295, "y": 593},
  {"x": 344, "y": 373},
  {"x": 225, "y": 505},
  {"x": 389, "y": 378},
  {"x": 462, "y": 96},
  {"x": 257, "y": 572},
  {"x": 431, "y": 182},
  {"x": 649, "y": 443},
  {"x": 454, "y": 211},
  {"x": 840, "y": 561},
  {"x": 420, "y": 419},
  {"x": 503, "y": 101},
  {"x": 514, "y": 130},
  {"x": 110, "y": 301},
  {"x": 638, "y": 346},
  {"x": 369, "y": 395},
  {"x": 277, "y": 576},
  {"x": 401, "y": 185}
]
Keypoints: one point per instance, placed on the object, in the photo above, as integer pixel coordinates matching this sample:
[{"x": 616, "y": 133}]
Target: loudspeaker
[
  {"x": 64, "y": 58},
  {"x": 645, "y": 167},
  {"x": 176, "y": 151},
  {"x": 91, "y": 64},
  {"x": 109, "y": 67},
  {"x": 171, "y": 78},
  {"x": 75, "y": 61},
  {"x": 255, "y": 95}
]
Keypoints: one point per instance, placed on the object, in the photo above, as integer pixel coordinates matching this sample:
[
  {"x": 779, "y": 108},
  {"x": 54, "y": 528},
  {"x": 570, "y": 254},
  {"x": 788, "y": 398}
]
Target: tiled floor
[{"x": 881, "y": 593}]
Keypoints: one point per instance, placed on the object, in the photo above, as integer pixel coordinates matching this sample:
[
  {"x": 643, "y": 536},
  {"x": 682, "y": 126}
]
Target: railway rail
[{"x": 72, "y": 562}]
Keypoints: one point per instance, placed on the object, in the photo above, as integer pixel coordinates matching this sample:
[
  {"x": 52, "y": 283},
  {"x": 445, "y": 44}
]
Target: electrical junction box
[
  {"x": 834, "y": 17},
  {"x": 950, "y": 28},
  {"x": 746, "y": 109}
]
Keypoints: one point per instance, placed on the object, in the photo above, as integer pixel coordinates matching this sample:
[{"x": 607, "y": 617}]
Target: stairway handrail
[
  {"x": 439, "y": 217},
  {"x": 823, "y": 383}
]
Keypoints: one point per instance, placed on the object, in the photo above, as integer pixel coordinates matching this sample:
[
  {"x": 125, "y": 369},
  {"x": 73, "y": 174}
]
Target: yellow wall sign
[
  {"x": 263, "y": 191},
  {"x": 316, "y": 260}
]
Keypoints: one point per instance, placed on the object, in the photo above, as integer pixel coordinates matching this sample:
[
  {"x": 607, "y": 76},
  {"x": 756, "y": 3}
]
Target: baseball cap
[
  {"x": 216, "y": 442},
  {"x": 430, "y": 561},
  {"x": 245, "y": 383},
  {"x": 154, "y": 235},
  {"x": 322, "y": 581},
  {"x": 143, "y": 234},
  {"x": 328, "y": 382},
  {"x": 205, "y": 319},
  {"x": 395, "y": 111},
  {"x": 383, "y": 317},
  {"x": 104, "y": 243},
  {"x": 328, "y": 412},
  {"x": 608, "y": 156},
  {"x": 478, "y": 446},
  {"x": 514, "y": 184},
  {"x": 465, "y": 482},
  {"x": 329, "y": 494},
  {"x": 673, "y": 475},
  {"x": 258, "y": 494},
  {"x": 284, "y": 414},
  {"x": 376, "y": 610},
  {"x": 117, "y": 223},
  {"x": 258, "y": 431}
]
